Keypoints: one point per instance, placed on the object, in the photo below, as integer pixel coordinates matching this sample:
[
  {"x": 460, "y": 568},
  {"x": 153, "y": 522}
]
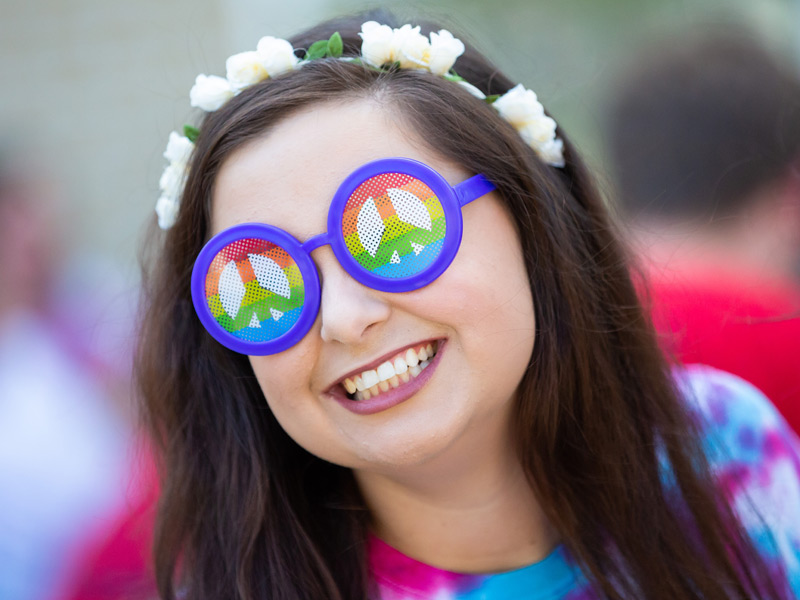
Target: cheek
[
  {"x": 490, "y": 279},
  {"x": 499, "y": 332},
  {"x": 485, "y": 298},
  {"x": 284, "y": 379}
]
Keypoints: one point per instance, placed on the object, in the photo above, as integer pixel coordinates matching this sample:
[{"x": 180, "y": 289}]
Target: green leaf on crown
[
  {"x": 191, "y": 132},
  {"x": 317, "y": 50},
  {"x": 492, "y": 98},
  {"x": 335, "y": 45}
]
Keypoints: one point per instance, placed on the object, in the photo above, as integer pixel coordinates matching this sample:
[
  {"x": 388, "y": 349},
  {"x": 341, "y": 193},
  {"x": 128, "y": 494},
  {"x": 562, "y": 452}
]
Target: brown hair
[{"x": 246, "y": 513}]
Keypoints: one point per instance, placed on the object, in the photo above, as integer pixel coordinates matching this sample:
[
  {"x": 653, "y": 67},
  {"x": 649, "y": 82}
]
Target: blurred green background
[{"x": 92, "y": 88}]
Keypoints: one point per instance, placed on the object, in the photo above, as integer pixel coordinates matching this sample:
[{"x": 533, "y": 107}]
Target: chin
[{"x": 429, "y": 438}]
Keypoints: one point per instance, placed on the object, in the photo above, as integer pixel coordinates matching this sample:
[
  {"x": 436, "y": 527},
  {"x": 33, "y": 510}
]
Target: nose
[{"x": 348, "y": 309}]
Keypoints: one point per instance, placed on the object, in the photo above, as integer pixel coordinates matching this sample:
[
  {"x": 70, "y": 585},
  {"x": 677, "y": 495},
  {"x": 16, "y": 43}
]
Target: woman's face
[{"x": 477, "y": 316}]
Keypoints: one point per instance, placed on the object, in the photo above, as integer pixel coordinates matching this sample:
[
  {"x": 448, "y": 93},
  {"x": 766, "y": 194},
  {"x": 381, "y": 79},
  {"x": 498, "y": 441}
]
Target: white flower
[
  {"x": 179, "y": 148},
  {"x": 445, "y": 49},
  {"x": 377, "y": 43},
  {"x": 552, "y": 152},
  {"x": 407, "y": 46},
  {"x": 277, "y": 55},
  {"x": 383, "y": 45},
  {"x": 245, "y": 69},
  {"x": 472, "y": 90},
  {"x": 167, "y": 211},
  {"x": 171, "y": 182},
  {"x": 210, "y": 92},
  {"x": 410, "y": 48},
  {"x": 538, "y": 131},
  {"x": 519, "y": 106}
]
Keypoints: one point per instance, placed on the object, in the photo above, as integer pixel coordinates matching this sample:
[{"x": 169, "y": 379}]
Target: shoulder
[
  {"x": 722, "y": 400},
  {"x": 744, "y": 436},
  {"x": 737, "y": 421},
  {"x": 755, "y": 457}
]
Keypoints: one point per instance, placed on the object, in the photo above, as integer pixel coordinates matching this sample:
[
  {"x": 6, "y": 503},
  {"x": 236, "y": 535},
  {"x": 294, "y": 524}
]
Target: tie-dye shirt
[{"x": 754, "y": 455}]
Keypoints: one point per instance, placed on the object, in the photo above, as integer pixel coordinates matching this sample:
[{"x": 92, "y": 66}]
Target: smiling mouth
[{"x": 394, "y": 372}]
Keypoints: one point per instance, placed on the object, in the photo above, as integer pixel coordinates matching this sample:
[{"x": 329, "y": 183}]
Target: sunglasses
[{"x": 394, "y": 225}]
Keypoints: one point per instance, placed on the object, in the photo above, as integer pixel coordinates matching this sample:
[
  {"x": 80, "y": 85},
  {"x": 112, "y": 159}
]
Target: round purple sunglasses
[{"x": 394, "y": 225}]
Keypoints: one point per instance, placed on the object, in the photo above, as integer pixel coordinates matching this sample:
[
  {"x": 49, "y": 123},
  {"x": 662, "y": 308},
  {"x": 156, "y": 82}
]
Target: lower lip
[{"x": 394, "y": 396}]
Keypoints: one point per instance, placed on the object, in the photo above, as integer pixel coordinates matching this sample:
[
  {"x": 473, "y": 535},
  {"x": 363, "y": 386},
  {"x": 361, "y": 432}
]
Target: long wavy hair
[{"x": 245, "y": 513}]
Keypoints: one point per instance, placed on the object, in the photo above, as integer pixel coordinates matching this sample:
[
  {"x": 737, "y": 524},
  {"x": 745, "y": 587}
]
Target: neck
[{"x": 475, "y": 515}]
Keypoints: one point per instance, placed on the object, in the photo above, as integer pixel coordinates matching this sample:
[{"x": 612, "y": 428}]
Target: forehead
[{"x": 288, "y": 177}]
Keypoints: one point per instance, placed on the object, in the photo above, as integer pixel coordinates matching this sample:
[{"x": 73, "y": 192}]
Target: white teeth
[
  {"x": 400, "y": 366},
  {"x": 370, "y": 378},
  {"x": 386, "y": 371},
  {"x": 390, "y": 374}
]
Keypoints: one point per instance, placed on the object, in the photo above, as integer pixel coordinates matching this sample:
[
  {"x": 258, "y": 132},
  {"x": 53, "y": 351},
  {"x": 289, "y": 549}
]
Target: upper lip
[{"x": 378, "y": 361}]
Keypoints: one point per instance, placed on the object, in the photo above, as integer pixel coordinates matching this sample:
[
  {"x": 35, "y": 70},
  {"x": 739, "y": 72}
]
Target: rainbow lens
[
  {"x": 393, "y": 225},
  {"x": 254, "y": 290}
]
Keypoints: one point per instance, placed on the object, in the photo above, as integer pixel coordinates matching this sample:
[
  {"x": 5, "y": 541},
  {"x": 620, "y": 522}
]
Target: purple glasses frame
[{"x": 452, "y": 199}]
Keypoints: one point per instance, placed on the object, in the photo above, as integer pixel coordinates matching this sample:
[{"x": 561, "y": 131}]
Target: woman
[{"x": 354, "y": 427}]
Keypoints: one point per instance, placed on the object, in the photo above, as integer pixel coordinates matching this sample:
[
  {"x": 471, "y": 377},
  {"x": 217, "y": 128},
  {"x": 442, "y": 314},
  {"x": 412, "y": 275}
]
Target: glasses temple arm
[{"x": 472, "y": 189}]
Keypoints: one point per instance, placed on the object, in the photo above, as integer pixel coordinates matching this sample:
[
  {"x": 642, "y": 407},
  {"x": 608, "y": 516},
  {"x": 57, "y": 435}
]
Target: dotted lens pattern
[
  {"x": 394, "y": 225},
  {"x": 254, "y": 290}
]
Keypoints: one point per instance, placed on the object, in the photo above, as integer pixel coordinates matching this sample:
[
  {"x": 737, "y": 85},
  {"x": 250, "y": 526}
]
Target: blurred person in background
[
  {"x": 64, "y": 442},
  {"x": 704, "y": 136}
]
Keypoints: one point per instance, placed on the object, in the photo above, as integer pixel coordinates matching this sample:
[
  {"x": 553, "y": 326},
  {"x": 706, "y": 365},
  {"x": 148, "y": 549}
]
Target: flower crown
[{"x": 381, "y": 47}]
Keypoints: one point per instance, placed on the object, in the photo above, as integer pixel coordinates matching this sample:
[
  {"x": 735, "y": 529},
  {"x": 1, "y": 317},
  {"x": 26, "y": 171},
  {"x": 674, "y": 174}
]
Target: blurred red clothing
[
  {"x": 736, "y": 320},
  {"x": 118, "y": 564}
]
